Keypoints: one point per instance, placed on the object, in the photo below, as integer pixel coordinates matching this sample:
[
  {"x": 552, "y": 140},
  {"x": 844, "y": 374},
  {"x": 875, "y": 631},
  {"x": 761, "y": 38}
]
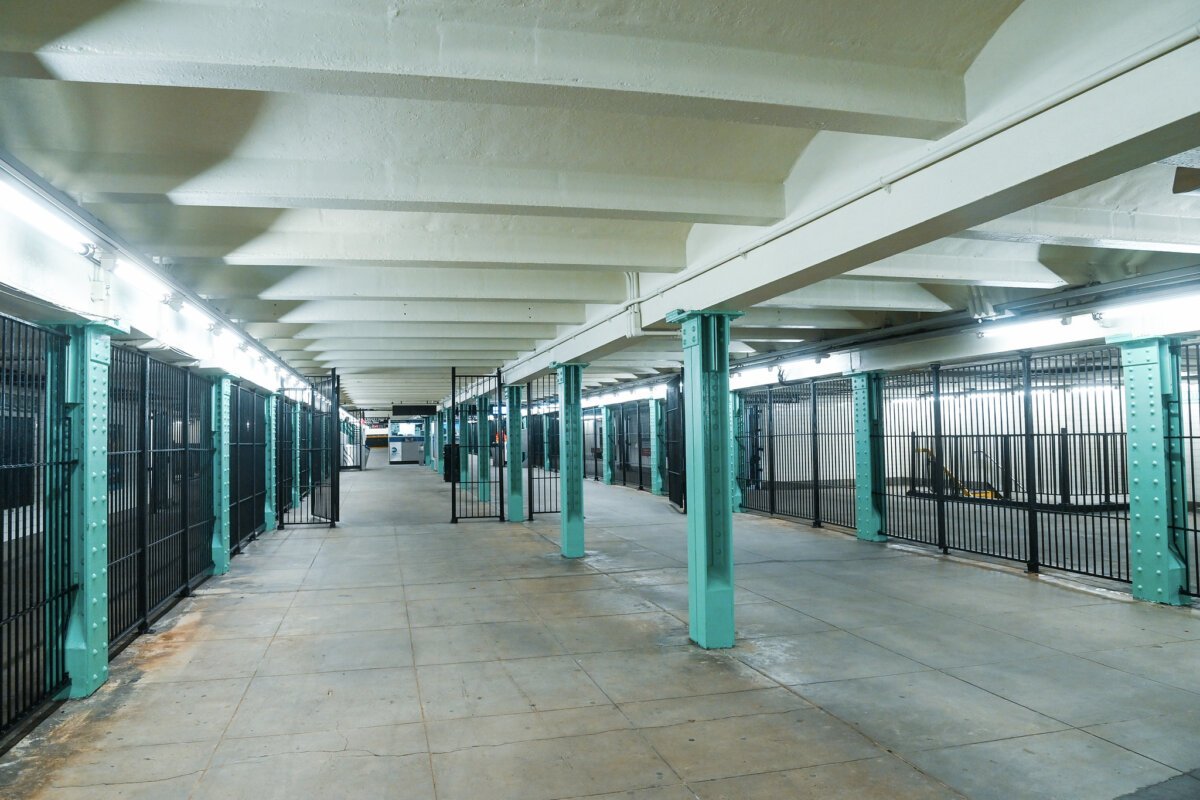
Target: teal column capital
[
  {"x": 570, "y": 457},
  {"x": 512, "y": 455},
  {"x": 709, "y": 508},
  {"x": 221, "y": 434},
  {"x": 868, "y": 456},
  {"x": 1157, "y": 499},
  {"x": 89, "y": 354}
]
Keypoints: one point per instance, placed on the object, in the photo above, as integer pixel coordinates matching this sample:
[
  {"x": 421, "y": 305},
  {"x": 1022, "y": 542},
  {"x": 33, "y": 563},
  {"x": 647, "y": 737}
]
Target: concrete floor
[{"x": 400, "y": 656}]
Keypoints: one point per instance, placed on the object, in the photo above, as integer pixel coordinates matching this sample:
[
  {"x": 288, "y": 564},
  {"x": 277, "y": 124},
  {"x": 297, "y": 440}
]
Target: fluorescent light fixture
[
  {"x": 147, "y": 284},
  {"x": 195, "y": 314},
  {"x": 1167, "y": 315},
  {"x": 33, "y": 211},
  {"x": 752, "y": 377}
]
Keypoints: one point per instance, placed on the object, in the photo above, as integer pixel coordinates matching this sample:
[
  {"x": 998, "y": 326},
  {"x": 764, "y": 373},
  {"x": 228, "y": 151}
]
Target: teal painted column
[
  {"x": 270, "y": 517},
  {"x": 658, "y": 448},
  {"x": 570, "y": 456},
  {"x": 295, "y": 456},
  {"x": 484, "y": 434},
  {"x": 868, "y": 456},
  {"x": 1157, "y": 504},
  {"x": 464, "y": 447},
  {"x": 609, "y": 446},
  {"x": 427, "y": 436},
  {"x": 221, "y": 433},
  {"x": 89, "y": 354},
  {"x": 512, "y": 455},
  {"x": 709, "y": 511},
  {"x": 737, "y": 451}
]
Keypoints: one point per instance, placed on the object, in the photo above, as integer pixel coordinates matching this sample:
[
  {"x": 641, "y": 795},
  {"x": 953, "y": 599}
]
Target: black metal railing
[
  {"x": 35, "y": 574},
  {"x": 247, "y": 465},
  {"x": 476, "y": 449},
  {"x": 593, "y": 443},
  {"x": 541, "y": 463},
  {"x": 160, "y": 509},
  {"x": 797, "y": 451},
  {"x": 631, "y": 421},
  {"x": 675, "y": 444},
  {"x": 314, "y": 498},
  {"x": 1020, "y": 459}
]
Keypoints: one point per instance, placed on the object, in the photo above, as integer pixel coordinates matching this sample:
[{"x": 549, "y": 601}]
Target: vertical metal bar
[
  {"x": 499, "y": 450},
  {"x": 144, "y": 500},
  {"x": 1064, "y": 468},
  {"x": 939, "y": 488},
  {"x": 770, "y": 452},
  {"x": 454, "y": 454},
  {"x": 815, "y": 454},
  {"x": 1033, "y": 545},
  {"x": 529, "y": 447}
]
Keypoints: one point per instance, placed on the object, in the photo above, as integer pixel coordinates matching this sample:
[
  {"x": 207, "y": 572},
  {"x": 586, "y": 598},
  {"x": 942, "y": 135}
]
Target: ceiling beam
[
  {"x": 444, "y": 311},
  {"x": 959, "y": 269},
  {"x": 424, "y": 55},
  {"x": 867, "y": 295},
  {"x": 1123, "y": 229}
]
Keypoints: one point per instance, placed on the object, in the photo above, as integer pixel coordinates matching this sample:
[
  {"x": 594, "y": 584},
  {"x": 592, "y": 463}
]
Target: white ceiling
[{"x": 396, "y": 188}]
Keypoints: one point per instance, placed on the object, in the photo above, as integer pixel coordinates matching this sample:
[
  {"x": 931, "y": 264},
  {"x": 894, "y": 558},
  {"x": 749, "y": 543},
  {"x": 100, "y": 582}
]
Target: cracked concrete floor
[{"x": 400, "y": 656}]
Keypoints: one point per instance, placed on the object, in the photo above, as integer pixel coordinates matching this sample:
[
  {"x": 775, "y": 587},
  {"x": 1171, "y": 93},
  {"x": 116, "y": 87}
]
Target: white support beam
[
  {"x": 268, "y": 46},
  {"x": 351, "y": 311},
  {"x": 867, "y": 295},
  {"x": 957, "y": 269},
  {"x": 1121, "y": 229},
  {"x": 398, "y": 344},
  {"x": 763, "y": 318},
  {"x": 427, "y": 187},
  {"x": 384, "y": 358},
  {"x": 393, "y": 329},
  {"x": 309, "y": 283}
]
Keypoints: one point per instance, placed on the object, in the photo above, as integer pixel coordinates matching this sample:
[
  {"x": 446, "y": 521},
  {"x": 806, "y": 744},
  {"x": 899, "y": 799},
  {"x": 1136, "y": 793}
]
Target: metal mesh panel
[
  {"x": 477, "y": 451},
  {"x": 316, "y": 456},
  {"x": 35, "y": 577},
  {"x": 247, "y": 465},
  {"x": 593, "y": 443}
]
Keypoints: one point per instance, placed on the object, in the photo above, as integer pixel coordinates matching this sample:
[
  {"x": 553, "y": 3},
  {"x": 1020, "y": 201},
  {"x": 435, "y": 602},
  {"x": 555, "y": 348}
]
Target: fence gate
[
  {"x": 632, "y": 421},
  {"x": 35, "y": 577},
  {"x": 673, "y": 428},
  {"x": 593, "y": 443},
  {"x": 542, "y": 455},
  {"x": 247, "y": 465},
  {"x": 476, "y": 448},
  {"x": 354, "y": 444},
  {"x": 160, "y": 511},
  {"x": 314, "y": 492}
]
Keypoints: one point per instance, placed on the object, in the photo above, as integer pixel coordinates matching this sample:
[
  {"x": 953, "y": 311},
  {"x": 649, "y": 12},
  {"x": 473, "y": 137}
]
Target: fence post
[
  {"x": 516, "y": 501},
  {"x": 89, "y": 355},
  {"x": 222, "y": 390},
  {"x": 815, "y": 453},
  {"x": 570, "y": 456},
  {"x": 270, "y": 512},
  {"x": 939, "y": 458},
  {"x": 709, "y": 511},
  {"x": 296, "y": 422},
  {"x": 1031, "y": 469},
  {"x": 869, "y": 475},
  {"x": 1157, "y": 507},
  {"x": 770, "y": 451},
  {"x": 737, "y": 453},
  {"x": 608, "y": 445}
]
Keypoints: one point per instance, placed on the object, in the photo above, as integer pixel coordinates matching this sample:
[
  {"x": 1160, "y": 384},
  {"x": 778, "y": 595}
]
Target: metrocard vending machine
[{"x": 406, "y": 442}]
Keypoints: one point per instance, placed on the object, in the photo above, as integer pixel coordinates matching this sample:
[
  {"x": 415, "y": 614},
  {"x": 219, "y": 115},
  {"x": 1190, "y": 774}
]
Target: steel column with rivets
[
  {"x": 570, "y": 456},
  {"x": 608, "y": 446},
  {"x": 737, "y": 449},
  {"x": 1157, "y": 508},
  {"x": 89, "y": 354},
  {"x": 512, "y": 452},
  {"x": 270, "y": 518},
  {"x": 868, "y": 456},
  {"x": 709, "y": 510},
  {"x": 223, "y": 390}
]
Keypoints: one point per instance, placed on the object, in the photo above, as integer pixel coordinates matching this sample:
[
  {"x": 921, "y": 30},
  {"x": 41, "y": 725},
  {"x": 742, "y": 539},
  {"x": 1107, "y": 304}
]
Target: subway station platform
[{"x": 401, "y": 656}]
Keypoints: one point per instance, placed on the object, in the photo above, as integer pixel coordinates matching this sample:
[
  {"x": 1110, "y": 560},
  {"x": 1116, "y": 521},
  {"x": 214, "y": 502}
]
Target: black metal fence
[
  {"x": 247, "y": 465},
  {"x": 160, "y": 497},
  {"x": 1022, "y": 459},
  {"x": 476, "y": 451},
  {"x": 675, "y": 445},
  {"x": 1185, "y": 526},
  {"x": 542, "y": 451},
  {"x": 631, "y": 421},
  {"x": 797, "y": 451},
  {"x": 35, "y": 575},
  {"x": 593, "y": 443},
  {"x": 314, "y": 497},
  {"x": 287, "y": 455}
]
